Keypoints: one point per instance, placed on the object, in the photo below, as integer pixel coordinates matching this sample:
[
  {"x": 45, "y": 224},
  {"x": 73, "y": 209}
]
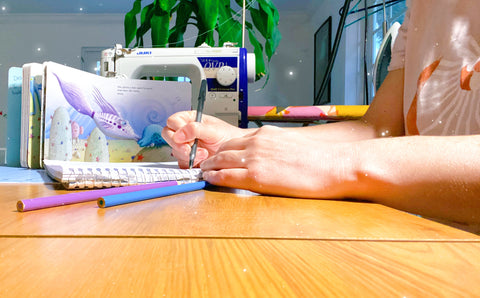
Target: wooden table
[{"x": 227, "y": 243}]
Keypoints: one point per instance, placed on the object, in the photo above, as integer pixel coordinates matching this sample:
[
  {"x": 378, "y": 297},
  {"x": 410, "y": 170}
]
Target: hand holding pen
[{"x": 201, "y": 102}]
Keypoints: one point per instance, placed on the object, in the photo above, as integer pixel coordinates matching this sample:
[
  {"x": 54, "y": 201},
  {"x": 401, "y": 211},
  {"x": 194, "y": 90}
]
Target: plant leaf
[
  {"x": 147, "y": 13},
  {"x": 272, "y": 43},
  {"x": 273, "y": 35},
  {"x": 260, "y": 21},
  {"x": 184, "y": 11},
  {"x": 229, "y": 30},
  {"x": 166, "y": 5},
  {"x": 160, "y": 32},
  {"x": 210, "y": 15},
  {"x": 207, "y": 16},
  {"x": 130, "y": 22},
  {"x": 160, "y": 22}
]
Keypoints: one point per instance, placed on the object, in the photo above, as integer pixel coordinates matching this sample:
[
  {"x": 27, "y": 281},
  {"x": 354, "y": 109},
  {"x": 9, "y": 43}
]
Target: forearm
[
  {"x": 433, "y": 176},
  {"x": 346, "y": 131}
]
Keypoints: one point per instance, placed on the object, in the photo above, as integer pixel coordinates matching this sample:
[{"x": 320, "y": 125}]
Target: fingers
[
  {"x": 175, "y": 139},
  {"x": 256, "y": 138},
  {"x": 182, "y": 130},
  {"x": 180, "y": 119},
  {"x": 235, "y": 144},
  {"x": 181, "y": 139},
  {"x": 235, "y": 178},
  {"x": 186, "y": 128},
  {"x": 183, "y": 157},
  {"x": 177, "y": 122},
  {"x": 192, "y": 131},
  {"x": 189, "y": 131},
  {"x": 225, "y": 160}
]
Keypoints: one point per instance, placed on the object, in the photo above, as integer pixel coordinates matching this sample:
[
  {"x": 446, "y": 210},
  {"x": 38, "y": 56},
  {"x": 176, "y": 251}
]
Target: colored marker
[
  {"x": 84, "y": 196},
  {"x": 131, "y": 197}
]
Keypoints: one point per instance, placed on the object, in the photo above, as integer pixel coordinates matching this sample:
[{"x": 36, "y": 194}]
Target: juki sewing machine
[{"x": 227, "y": 69}]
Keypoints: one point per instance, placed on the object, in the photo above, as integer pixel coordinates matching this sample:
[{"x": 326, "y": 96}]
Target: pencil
[
  {"x": 201, "y": 102},
  {"x": 142, "y": 195},
  {"x": 84, "y": 196}
]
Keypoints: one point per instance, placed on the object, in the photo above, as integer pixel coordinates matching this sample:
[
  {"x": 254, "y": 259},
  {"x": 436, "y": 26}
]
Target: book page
[
  {"x": 13, "y": 117},
  {"x": 30, "y": 142},
  {"x": 97, "y": 119}
]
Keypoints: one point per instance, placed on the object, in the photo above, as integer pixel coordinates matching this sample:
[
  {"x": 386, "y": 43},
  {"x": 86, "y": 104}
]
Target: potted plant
[{"x": 208, "y": 16}]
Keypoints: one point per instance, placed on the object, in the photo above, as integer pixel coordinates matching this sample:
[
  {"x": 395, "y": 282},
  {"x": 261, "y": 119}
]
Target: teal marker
[{"x": 142, "y": 195}]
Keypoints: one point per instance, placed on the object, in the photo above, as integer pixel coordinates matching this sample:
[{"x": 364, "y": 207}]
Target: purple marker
[{"x": 85, "y": 196}]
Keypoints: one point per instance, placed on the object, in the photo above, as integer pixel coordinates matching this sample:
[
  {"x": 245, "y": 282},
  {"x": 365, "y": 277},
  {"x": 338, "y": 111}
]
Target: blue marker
[{"x": 136, "y": 196}]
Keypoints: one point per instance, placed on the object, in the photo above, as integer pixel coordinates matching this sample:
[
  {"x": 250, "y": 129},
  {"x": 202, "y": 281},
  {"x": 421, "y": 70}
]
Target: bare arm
[
  {"x": 366, "y": 159},
  {"x": 433, "y": 176}
]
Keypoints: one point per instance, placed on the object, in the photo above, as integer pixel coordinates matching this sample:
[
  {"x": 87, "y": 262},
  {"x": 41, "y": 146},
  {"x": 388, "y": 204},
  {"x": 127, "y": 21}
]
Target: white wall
[
  {"x": 291, "y": 68},
  {"x": 59, "y": 37}
]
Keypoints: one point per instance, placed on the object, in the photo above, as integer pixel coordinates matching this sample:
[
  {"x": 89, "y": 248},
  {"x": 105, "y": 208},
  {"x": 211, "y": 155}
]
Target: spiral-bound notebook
[{"x": 78, "y": 175}]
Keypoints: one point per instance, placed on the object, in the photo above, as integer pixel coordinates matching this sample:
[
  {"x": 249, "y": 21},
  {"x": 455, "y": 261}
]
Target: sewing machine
[{"x": 227, "y": 69}]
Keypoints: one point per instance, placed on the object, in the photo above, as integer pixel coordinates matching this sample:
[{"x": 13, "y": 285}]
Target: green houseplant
[{"x": 208, "y": 16}]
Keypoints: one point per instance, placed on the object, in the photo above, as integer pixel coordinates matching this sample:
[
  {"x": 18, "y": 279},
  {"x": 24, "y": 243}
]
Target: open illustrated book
[
  {"x": 78, "y": 175},
  {"x": 73, "y": 115},
  {"x": 105, "y": 132}
]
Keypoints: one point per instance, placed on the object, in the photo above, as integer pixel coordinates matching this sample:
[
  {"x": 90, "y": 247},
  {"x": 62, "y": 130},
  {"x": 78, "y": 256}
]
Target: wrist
[
  {"x": 375, "y": 170},
  {"x": 356, "y": 170},
  {"x": 339, "y": 171}
]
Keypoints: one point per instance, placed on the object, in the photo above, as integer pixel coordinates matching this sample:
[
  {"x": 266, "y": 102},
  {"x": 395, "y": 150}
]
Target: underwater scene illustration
[{"x": 97, "y": 119}]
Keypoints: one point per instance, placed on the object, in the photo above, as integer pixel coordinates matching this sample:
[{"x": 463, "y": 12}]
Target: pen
[{"x": 201, "y": 101}]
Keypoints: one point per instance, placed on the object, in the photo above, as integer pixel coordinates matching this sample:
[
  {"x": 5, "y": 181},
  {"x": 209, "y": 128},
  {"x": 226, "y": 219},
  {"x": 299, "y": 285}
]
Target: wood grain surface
[
  {"x": 179, "y": 267},
  {"x": 229, "y": 243},
  {"x": 218, "y": 213}
]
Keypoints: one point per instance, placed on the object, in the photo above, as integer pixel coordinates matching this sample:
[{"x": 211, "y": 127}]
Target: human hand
[
  {"x": 182, "y": 130},
  {"x": 277, "y": 161}
]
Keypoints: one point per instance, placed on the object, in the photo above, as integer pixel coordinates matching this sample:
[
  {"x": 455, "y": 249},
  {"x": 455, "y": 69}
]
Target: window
[
  {"x": 91, "y": 58},
  {"x": 394, "y": 12},
  {"x": 322, "y": 50}
]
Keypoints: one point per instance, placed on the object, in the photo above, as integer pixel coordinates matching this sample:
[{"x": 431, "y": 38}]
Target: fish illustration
[
  {"x": 152, "y": 136},
  {"x": 108, "y": 120}
]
